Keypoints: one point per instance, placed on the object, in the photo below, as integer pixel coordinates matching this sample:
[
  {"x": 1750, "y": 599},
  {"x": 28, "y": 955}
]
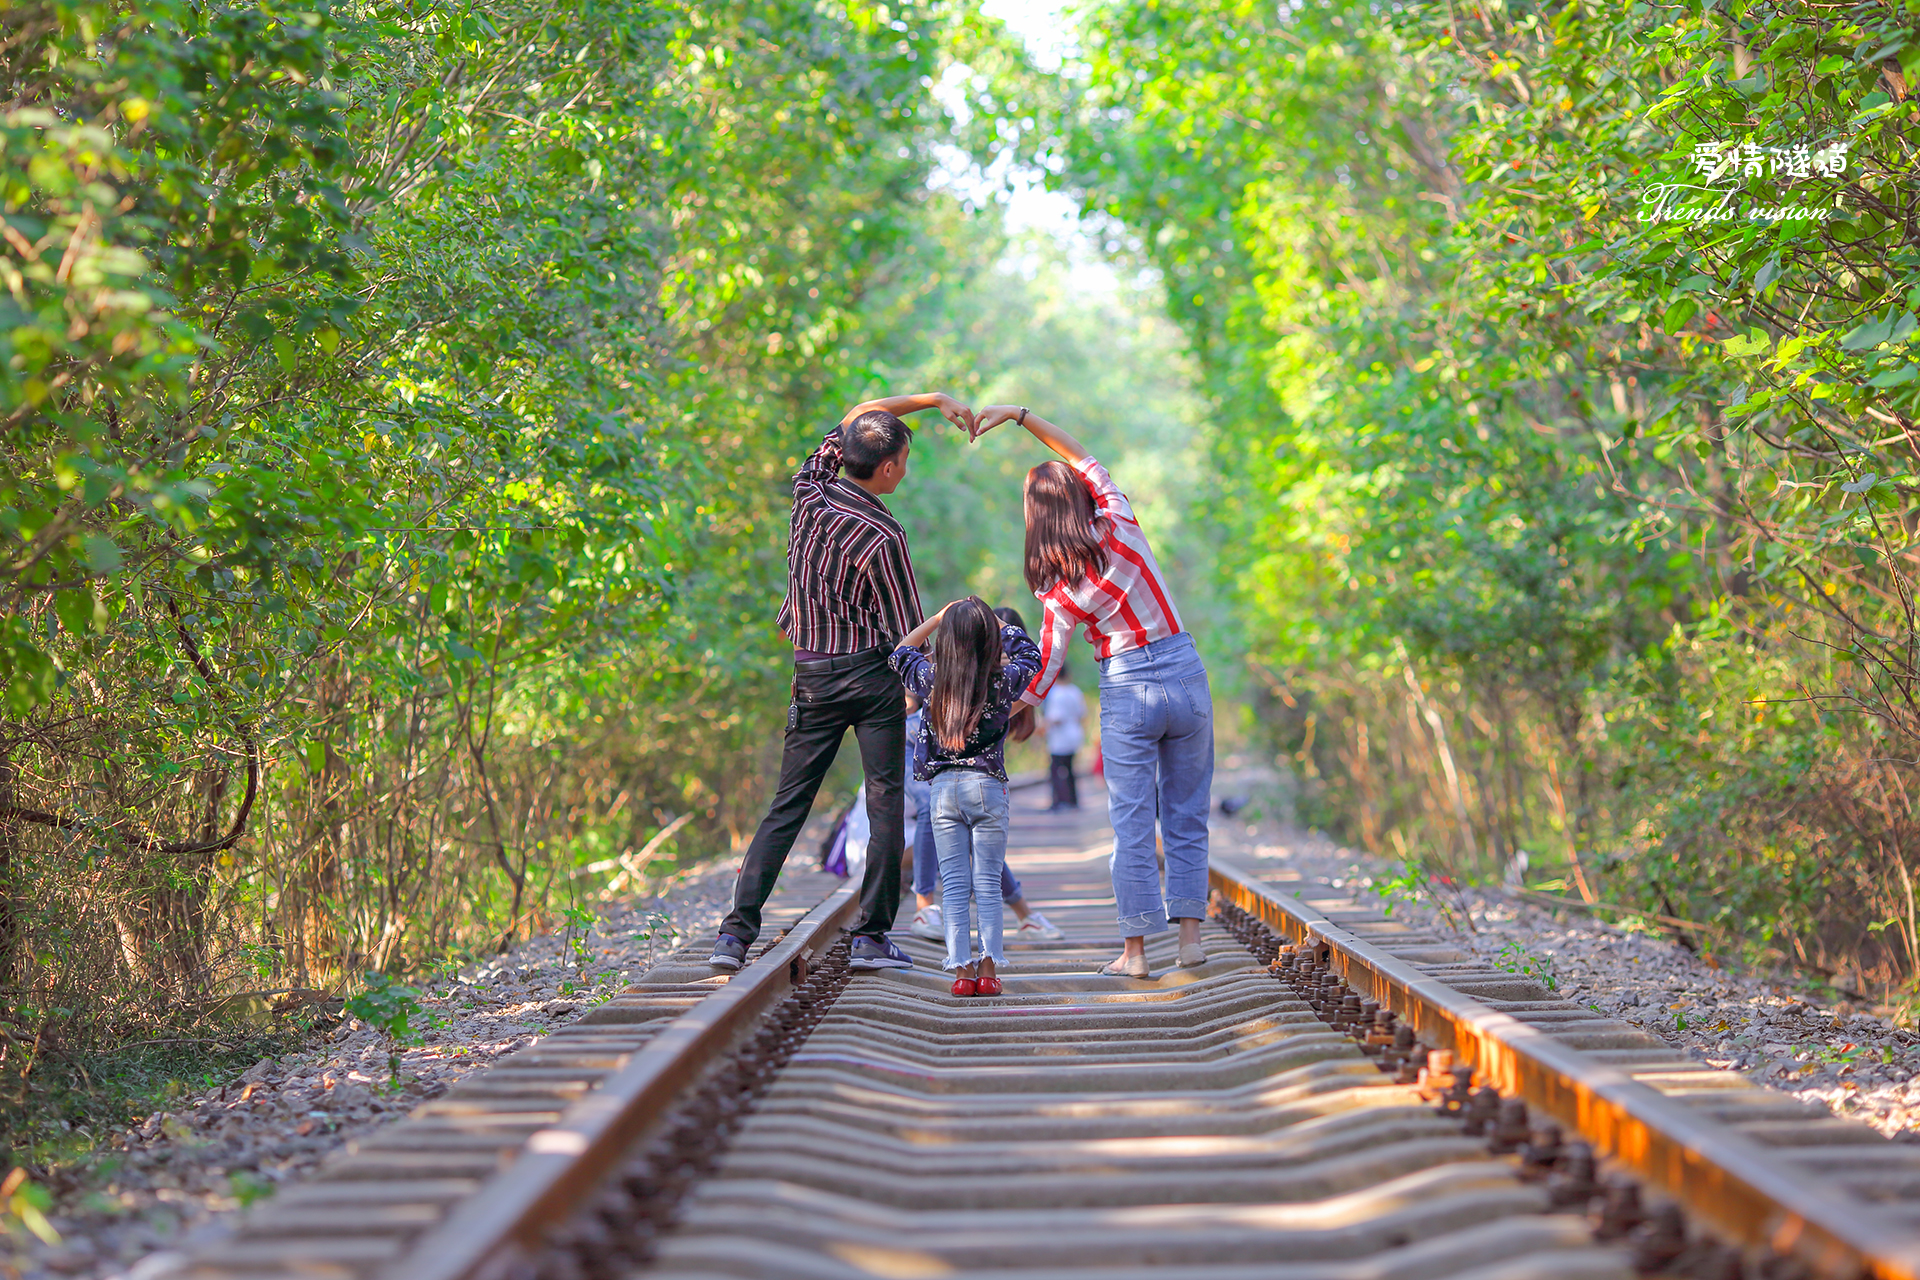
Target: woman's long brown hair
[
  {"x": 966, "y": 657},
  {"x": 1064, "y": 542}
]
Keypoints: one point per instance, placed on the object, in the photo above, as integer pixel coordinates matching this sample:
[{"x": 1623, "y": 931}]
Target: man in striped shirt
[{"x": 851, "y": 595}]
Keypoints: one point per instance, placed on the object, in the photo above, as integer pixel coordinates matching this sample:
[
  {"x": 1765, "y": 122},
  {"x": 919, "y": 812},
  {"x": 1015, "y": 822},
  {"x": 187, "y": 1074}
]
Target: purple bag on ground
[{"x": 833, "y": 854}]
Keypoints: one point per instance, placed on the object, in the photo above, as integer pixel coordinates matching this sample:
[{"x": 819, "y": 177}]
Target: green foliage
[
  {"x": 398, "y": 408},
  {"x": 23, "y": 1208},
  {"x": 388, "y": 1007},
  {"x": 1514, "y": 958},
  {"x": 1559, "y": 523},
  {"x": 248, "y": 1188},
  {"x": 139, "y": 294},
  {"x": 579, "y": 922},
  {"x": 658, "y": 934}
]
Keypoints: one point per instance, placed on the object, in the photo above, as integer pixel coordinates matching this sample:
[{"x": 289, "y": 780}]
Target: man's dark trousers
[{"x": 830, "y": 696}]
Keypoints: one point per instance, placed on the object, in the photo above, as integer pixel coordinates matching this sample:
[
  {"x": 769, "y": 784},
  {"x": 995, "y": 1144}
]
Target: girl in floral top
[{"x": 968, "y": 690}]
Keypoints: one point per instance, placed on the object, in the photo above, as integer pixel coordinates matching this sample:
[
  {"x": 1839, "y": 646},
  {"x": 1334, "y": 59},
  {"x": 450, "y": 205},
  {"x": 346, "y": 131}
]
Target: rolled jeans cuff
[
  {"x": 1141, "y": 925},
  {"x": 1186, "y": 908}
]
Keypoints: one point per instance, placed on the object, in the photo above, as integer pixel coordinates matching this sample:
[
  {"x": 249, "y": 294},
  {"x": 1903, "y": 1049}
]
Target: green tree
[{"x": 1558, "y": 526}]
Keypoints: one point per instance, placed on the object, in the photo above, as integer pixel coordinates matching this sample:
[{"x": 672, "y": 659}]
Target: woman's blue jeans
[
  {"x": 970, "y": 831},
  {"x": 1156, "y": 743}
]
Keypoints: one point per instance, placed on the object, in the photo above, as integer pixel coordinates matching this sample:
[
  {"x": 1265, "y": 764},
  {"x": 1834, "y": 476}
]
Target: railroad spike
[
  {"x": 1510, "y": 1130},
  {"x": 1403, "y": 1042},
  {"x": 1453, "y": 1098},
  {"x": 1482, "y": 1109},
  {"x": 1572, "y": 1183},
  {"x": 1542, "y": 1152},
  {"x": 1616, "y": 1210},
  {"x": 1660, "y": 1239},
  {"x": 1378, "y": 1041}
]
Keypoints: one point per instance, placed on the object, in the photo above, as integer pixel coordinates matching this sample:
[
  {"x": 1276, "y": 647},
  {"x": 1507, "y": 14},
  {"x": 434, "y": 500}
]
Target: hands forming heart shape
[
  {"x": 975, "y": 424},
  {"x": 956, "y": 413}
]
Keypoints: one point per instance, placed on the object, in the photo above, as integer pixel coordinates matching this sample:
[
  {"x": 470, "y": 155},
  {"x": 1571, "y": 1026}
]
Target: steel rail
[
  {"x": 1730, "y": 1182},
  {"x": 559, "y": 1168}
]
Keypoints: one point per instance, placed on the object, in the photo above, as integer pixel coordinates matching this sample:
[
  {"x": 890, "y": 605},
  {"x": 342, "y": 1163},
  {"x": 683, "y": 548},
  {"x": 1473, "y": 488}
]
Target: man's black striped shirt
[{"x": 850, "y": 584}]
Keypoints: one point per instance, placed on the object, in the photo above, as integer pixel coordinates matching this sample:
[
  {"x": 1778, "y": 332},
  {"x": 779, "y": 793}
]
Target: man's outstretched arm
[
  {"x": 823, "y": 464},
  {"x": 900, "y": 406}
]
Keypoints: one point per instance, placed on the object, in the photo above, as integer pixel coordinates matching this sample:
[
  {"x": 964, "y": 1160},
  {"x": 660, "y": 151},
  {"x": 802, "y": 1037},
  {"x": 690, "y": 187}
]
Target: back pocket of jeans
[
  {"x": 1199, "y": 695},
  {"x": 1123, "y": 708}
]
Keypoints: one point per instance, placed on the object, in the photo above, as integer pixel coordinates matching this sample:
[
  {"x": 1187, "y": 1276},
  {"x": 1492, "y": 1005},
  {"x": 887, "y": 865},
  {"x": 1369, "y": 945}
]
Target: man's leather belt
[{"x": 844, "y": 661}]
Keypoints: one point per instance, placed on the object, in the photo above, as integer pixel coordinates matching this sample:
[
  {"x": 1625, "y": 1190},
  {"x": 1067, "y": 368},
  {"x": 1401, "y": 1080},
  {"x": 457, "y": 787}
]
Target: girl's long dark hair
[
  {"x": 966, "y": 657},
  {"x": 1064, "y": 542},
  {"x": 1020, "y": 723}
]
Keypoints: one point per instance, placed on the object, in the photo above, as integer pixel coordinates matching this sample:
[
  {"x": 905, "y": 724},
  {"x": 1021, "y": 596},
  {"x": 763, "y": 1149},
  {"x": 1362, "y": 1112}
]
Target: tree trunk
[{"x": 9, "y": 862}]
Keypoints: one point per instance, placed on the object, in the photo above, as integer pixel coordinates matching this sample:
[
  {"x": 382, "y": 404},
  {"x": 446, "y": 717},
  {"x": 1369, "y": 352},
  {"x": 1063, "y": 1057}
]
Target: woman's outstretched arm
[{"x": 1042, "y": 430}]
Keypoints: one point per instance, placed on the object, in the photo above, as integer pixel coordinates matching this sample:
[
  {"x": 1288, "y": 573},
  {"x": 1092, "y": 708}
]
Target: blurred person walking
[{"x": 1063, "y": 712}]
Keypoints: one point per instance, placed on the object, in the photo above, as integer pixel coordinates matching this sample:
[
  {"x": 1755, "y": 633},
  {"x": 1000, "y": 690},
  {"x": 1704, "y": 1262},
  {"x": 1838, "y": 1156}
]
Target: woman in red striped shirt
[{"x": 1089, "y": 564}]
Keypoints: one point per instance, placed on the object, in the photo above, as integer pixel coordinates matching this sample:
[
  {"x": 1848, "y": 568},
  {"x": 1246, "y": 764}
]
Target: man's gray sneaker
[
  {"x": 878, "y": 953},
  {"x": 728, "y": 953}
]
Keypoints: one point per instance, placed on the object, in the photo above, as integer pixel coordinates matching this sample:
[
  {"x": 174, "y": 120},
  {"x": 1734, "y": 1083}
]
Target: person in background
[
  {"x": 919, "y": 830},
  {"x": 1063, "y": 711},
  {"x": 1020, "y": 728}
]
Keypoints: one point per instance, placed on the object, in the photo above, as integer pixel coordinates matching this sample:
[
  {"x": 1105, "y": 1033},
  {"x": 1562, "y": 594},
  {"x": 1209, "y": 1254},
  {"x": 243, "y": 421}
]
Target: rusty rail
[
  {"x": 1728, "y": 1181},
  {"x": 505, "y": 1222}
]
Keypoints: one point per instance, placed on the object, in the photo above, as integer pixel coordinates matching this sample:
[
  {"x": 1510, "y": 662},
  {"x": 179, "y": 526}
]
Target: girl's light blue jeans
[
  {"x": 970, "y": 832},
  {"x": 926, "y": 857},
  {"x": 1156, "y": 743}
]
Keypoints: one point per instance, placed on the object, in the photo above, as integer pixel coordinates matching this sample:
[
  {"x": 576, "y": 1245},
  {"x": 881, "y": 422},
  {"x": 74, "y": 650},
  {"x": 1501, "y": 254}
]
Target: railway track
[{"x": 1332, "y": 1095}]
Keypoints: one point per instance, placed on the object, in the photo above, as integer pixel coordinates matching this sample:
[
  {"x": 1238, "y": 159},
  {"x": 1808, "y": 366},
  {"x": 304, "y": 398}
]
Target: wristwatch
[{"x": 1022, "y": 419}]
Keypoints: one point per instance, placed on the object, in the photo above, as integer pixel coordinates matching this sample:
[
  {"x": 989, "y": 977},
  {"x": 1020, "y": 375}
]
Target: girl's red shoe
[
  {"x": 965, "y": 986},
  {"x": 987, "y": 985}
]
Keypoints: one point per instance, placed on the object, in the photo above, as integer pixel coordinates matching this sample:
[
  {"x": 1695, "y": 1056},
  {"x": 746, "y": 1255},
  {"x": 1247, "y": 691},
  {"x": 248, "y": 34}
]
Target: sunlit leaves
[
  {"x": 432, "y": 373},
  {"x": 1591, "y": 335}
]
